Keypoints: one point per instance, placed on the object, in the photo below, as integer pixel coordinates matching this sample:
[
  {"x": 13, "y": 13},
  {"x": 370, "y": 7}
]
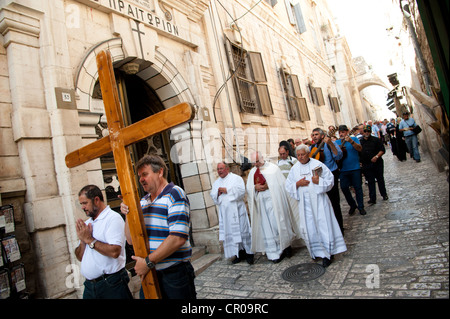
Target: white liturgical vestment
[
  {"x": 234, "y": 225},
  {"x": 271, "y": 213},
  {"x": 317, "y": 225}
]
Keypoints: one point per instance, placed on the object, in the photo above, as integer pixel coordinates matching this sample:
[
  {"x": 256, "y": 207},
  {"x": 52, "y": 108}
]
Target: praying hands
[{"x": 222, "y": 190}]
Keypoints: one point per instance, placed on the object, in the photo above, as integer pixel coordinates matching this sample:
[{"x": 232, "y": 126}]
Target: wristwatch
[
  {"x": 92, "y": 244},
  {"x": 150, "y": 264}
]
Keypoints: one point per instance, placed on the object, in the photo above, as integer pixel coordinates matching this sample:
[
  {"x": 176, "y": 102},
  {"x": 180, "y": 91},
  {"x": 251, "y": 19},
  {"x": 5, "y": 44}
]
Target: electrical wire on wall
[
  {"x": 230, "y": 76},
  {"x": 241, "y": 58}
]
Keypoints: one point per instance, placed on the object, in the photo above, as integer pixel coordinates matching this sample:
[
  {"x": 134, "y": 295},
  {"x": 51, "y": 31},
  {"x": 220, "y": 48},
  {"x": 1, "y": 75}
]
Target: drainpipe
[{"x": 412, "y": 33}]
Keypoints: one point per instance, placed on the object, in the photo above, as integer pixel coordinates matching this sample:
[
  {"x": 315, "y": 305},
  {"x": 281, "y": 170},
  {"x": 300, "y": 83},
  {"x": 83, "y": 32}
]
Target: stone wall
[{"x": 12, "y": 183}]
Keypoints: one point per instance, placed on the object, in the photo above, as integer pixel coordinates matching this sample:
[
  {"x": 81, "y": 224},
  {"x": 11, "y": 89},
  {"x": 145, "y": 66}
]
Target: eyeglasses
[{"x": 368, "y": 131}]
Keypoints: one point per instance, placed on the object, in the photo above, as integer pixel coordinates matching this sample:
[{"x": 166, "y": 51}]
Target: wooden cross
[{"x": 117, "y": 141}]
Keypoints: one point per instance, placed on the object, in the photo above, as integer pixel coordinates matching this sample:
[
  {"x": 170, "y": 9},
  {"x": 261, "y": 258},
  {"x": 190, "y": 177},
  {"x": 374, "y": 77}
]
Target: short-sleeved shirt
[
  {"x": 330, "y": 158},
  {"x": 109, "y": 228},
  {"x": 168, "y": 214},
  {"x": 351, "y": 160},
  {"x": 405, "y": 124}
]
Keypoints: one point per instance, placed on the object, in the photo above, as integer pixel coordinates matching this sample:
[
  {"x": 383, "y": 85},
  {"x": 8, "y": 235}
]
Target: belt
[
  {"x": 173, "y": 268},
  {"x": 104, "y": 276}
]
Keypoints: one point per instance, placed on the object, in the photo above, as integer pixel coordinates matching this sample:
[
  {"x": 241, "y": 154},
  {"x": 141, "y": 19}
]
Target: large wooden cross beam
[{"x": 117, "y": 141}]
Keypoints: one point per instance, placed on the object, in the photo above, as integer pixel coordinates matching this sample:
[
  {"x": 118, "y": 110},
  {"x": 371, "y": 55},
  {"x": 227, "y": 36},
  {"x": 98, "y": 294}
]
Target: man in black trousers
[{"x": 372, "y": 164}]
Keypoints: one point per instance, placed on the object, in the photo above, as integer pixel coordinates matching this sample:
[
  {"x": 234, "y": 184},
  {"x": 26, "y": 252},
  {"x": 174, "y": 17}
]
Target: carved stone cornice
[
  {"x": 19, "y": 27},
  {"x": 193, "y": 9}
]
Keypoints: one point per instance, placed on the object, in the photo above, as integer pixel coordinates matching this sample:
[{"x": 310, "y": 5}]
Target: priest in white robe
[
  {"x": 271, "y": 210},
  {"x": 318, "y": 226},
  {"x": 228, "y": 193}
]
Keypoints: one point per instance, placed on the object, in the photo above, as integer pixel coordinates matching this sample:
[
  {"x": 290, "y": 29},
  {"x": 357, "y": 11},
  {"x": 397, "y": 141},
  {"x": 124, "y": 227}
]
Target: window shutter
[
  {"x": 319, "y": 95},
  {"x": 228, "y": 47},
  {"x": 283, "y": 80},
  {"x": 237, "y": 91},
  {"x": 296, "y": 85},
  {"x": 252, "y": 95},
  {"x": 335, "y": 104},
  {"x": 298, "y": 94},
  {"x": 286, "y": 95},
  {"x": 312, "y": 94},
  {"x": 289, "y": 11},
  {"x": 264, "y": 99},
  {"x": 257, "y": 66},
  {"x": 299, "y": 17},
  {"x": 318, "y": 116},
  {"x": 304, "y": 113}
]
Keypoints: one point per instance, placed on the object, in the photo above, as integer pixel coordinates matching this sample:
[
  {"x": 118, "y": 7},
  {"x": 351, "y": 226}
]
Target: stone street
[{"x": 400, "y": 249}]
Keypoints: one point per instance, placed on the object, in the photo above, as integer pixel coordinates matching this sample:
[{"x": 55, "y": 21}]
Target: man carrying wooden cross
[
  {"x": 118, "y": 141},
  {"x": 166, "y": 217}
]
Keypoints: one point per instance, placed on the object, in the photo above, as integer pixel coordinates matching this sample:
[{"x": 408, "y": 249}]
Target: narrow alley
[{"x": 400, "y": 249}]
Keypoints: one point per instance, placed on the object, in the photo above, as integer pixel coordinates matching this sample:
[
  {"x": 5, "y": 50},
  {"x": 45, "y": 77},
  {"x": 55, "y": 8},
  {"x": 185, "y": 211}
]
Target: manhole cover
[
  {"x": 402, "y": 214},
  {"x": 303, "y": 272}
]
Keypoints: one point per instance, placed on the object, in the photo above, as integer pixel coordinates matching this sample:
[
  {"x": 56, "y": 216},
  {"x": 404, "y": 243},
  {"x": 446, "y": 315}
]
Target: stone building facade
[{"x": 293, "y": 73}]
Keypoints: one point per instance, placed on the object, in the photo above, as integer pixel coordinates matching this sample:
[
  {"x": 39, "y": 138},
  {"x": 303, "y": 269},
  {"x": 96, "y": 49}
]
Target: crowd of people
[
  {"x": 300, "y": 197},
  {"x": 297, "y": 198}
]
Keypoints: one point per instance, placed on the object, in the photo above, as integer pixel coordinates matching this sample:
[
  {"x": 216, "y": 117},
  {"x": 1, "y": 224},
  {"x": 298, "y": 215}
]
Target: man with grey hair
[
  {"x": 308, "y": 182},
  {"x": 166, "y": 212}
]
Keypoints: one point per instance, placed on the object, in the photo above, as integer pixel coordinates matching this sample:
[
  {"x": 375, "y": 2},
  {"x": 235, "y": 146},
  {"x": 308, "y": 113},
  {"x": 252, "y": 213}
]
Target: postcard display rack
[{"x": 12, "y": 271}]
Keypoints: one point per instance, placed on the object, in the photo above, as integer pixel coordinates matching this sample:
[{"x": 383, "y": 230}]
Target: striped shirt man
[{"x": 168, "y": 215}]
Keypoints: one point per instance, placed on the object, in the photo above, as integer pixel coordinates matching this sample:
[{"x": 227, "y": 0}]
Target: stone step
[
  {"x": 200, "y": 264},
  {"x": 198, "y": 252}
]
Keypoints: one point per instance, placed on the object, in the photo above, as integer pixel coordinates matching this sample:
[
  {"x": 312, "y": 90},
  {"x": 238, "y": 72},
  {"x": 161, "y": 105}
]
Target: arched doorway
[
  {"x": 138, "y": 101},
  {"x": 153, "y": 86}
]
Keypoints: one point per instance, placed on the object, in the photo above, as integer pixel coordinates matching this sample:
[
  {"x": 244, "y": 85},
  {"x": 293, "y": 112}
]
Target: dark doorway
[
  {"x": 138, "y": 101},
  {"x": 141, "y": 101}
]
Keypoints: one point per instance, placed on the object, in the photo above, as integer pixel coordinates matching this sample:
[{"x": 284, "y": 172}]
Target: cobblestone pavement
[{"x": 400, "y": 249}]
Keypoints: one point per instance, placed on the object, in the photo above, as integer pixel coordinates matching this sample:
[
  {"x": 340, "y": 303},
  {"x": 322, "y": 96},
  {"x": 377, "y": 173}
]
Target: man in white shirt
[
  {"x": 228, "y": 193},
  {"x": 102, "y": 248}
]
